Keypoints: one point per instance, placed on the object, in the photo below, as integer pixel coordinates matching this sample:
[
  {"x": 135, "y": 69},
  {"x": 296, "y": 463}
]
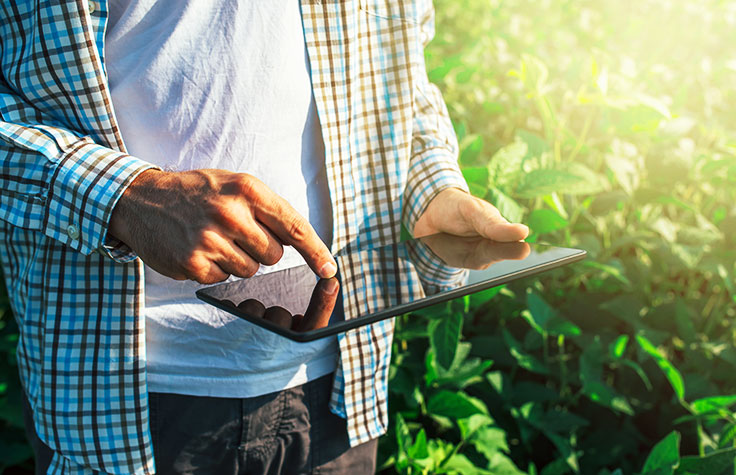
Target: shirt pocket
[{"x": 398, "y": 10}]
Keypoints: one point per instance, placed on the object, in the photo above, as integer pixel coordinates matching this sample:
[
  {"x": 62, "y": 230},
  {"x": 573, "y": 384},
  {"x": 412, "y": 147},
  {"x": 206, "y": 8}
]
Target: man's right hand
[{"x": 205, "y": 225}]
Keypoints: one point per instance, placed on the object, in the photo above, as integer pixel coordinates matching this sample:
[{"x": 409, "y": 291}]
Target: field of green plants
[
  {"x": 605, "y": 125},
  {"x": 608, "y": 126}
]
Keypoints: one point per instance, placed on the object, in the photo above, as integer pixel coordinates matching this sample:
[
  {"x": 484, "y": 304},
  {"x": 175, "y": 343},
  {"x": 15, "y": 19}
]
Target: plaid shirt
[{"x": 78, "y": 294}]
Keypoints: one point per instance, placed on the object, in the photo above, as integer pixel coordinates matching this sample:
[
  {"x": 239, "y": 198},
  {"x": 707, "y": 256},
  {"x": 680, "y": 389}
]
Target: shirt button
[
  {"x": 73, "y": 231},
  {"x": 91, "y": 7}
]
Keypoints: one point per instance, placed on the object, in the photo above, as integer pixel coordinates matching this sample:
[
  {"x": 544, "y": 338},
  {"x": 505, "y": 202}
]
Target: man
[{"x": 214, "y": 94}]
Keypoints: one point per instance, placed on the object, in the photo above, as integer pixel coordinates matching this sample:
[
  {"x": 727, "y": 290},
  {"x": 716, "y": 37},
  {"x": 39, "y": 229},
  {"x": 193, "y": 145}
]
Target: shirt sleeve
[
  {"x": 60, "y": 182},
  {"x": 434, "y": 148}
]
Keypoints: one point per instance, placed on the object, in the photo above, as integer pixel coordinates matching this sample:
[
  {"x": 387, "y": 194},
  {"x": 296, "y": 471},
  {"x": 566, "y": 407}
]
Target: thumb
[{"x": 488, "y": 222}]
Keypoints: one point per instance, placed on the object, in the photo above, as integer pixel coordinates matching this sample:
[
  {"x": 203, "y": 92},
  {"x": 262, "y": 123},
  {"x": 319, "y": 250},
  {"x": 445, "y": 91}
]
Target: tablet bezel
[{"x": 400, "y": 309}]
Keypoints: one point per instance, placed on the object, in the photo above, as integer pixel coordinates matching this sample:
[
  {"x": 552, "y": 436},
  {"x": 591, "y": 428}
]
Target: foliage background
[
  {"x": 608, "y": 126},
  {"x": 604, "y": 125}
]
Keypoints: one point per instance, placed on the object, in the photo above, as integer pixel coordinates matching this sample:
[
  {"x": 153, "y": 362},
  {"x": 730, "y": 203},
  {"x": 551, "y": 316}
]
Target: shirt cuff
[
  {"x": 87, "y": 184},
  {"x": 432, "y": 171}
]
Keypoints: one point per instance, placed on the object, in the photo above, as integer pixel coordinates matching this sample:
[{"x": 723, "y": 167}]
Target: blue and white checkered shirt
[{"x": 78, "y": 294}]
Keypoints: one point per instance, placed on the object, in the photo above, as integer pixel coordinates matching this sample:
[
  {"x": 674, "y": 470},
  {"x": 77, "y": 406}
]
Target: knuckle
[
  {"x": 249, "y": 185},
  {"x": 206, "y": 239},
  {"x": 196, "y": 268},
  {"x": 297, "y": 228}
]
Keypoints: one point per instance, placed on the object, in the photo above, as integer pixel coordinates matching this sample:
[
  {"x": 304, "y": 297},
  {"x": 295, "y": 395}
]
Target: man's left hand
[{"x": 454, "y": 211}]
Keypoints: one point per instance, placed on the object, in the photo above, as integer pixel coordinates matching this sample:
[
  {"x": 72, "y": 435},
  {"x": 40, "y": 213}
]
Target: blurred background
[
  {"x": 610, "y": 126},
  {"x": 606, "y": 125}
]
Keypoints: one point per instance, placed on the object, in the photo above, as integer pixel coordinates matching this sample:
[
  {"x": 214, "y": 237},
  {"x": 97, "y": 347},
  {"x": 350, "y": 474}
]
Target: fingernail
[
  {"x": 328, "y": 270},
  {"x": 331, "y": 286}
]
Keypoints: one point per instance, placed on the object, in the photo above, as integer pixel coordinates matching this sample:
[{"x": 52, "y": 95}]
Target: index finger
[{"x": 293, "y": 230}]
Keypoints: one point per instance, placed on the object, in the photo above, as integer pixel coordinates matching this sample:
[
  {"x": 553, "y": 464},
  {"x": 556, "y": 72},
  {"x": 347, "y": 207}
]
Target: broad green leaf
[
  {"x": 717, "y": 462},
  {"x": 444, "y": 337},
  {"x": 500, "y": 464},
  {"x": 544, "y": 318},
  {"x": 508, "y": 208},
  {"x": 505, "y": 165},
  {"x": 568, "y": 179},
  {"x": 479, "y": 298},
  {"x": 403, "y": 437},
  {"x": 541, "y": 312},
  {"x": 470, "y": 425},
  {"x": 461, "y": 465},
  {"x": 727, "y": 436},
  {"x": 600, "y": 393},
  {"x": 536, "y": 145},
  {"x": 455, "y": 405},
  {"x": 470, "y": 149},
  {"x": 545, "y": 181},
  {"x": 559, "y": 421},
  {"x": 708, "y": 404},
  {"x": 477, "y": 175},
  {"x": 418, "y": 450},
  {"x": 590, "y": 181},
  {"x": 523, "y": 359},
  {"x": 460, "y": 376},
  {"x": 670, "y": 372},
  {"x": 542, "y": 221},
  {"x": 489, "y": 440},
  {"x": 665, "y": 456}
]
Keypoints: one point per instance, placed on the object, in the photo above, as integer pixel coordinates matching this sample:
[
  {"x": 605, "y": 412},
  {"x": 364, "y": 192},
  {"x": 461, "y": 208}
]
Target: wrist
[
  {"x": 135, "y": 195},
  {"x": 428, "y": 222}
]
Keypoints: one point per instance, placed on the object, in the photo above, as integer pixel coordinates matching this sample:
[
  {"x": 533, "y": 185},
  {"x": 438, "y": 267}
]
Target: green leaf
[
  {"x": 505, "y": 165},
  {"x": 715, "y": 462},
  {"x": 670, "y": 372},
  {"x": 418, "y": 450},
  {"x": 526, "y": 361},
  {"x": 570, "y": 179},
  {"x": 727, "y": 436},
  {"x": 665, "y": 456},
  {"x": 403, "y": 438},
  {"x": 455, "y": 405},
  {"x": 444, "y": 337},
  {"x": 469, "y": 426},
  {"x": 477, "y": 175},
  {"x": 470, "y": 149},
  {"x": 536, "y": 145},
  {"x": 618, "y": 347},
  {"x": 545, "y": 181},
  {"x": 479, "y": 298},
  {"x": 708, "y": 404},
  {"x": 542, "y": 221},
  {"x": 460, "y": 464},
  {"x": 489, "y": 441},
  {"x": 508, "y": 208},
  {"x": 544, "y": 318},
  {"x": 500, "y": 464},
  {"x": 463, "y": 375}
]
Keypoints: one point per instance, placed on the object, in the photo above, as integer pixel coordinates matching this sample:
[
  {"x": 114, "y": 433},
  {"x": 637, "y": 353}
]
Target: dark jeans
[{"x": 291, "y": 431}]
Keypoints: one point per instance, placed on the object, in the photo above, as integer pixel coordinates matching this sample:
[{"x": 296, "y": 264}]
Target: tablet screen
[{"x": 378, "y": 283}]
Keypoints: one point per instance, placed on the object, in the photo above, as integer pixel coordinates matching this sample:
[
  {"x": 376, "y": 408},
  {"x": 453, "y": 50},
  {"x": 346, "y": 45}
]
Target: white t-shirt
[{"x": 221, "y": 84}]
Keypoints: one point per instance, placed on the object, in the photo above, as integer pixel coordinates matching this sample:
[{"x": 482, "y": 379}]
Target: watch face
[{"x": 382, "y": 282}]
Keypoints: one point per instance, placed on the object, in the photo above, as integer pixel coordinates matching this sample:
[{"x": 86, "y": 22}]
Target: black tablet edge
[{"x": 304, "y": 337}]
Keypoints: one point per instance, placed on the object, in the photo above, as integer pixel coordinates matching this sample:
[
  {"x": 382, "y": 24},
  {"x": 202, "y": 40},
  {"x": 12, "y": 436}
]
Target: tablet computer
[{"x": 381, "y": 282}]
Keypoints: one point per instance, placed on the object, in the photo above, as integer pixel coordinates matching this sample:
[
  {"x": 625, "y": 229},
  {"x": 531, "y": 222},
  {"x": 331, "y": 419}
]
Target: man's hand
[
  {"x": 454, "y": 211},
  {"x": 205, "y": 225}
]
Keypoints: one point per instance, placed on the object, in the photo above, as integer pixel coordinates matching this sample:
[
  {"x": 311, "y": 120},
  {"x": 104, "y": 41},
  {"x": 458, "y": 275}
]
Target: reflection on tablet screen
[{"x": 379, "y": 283}]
